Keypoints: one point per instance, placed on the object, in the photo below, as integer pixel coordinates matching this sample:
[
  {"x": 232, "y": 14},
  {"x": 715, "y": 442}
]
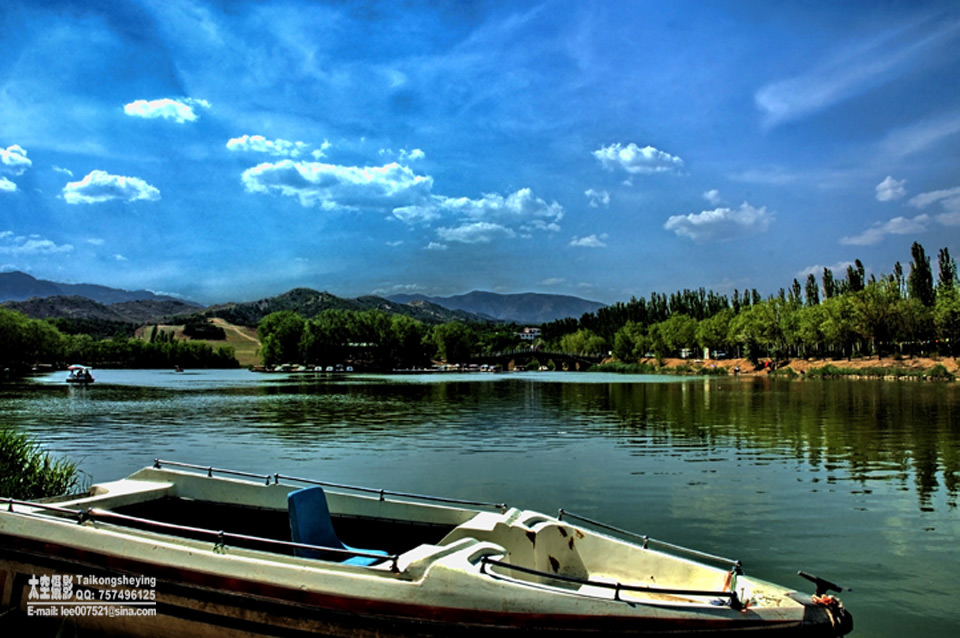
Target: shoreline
[{"x": 871, "y": 367}]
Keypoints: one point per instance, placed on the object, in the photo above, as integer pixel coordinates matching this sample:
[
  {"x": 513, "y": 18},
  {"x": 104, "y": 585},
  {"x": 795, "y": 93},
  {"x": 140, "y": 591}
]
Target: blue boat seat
[{"x": 310, "y": 524}]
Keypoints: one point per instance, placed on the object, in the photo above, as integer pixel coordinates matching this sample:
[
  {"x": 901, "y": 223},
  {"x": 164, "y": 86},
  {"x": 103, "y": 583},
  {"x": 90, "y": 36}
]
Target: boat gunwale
[
  {"x": 106, "y": 516},
  {"x": 382, "y": 493}
]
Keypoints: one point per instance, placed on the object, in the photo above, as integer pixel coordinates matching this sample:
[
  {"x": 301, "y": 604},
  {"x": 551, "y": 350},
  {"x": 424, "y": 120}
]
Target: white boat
[{"x": 205, "y": 552}]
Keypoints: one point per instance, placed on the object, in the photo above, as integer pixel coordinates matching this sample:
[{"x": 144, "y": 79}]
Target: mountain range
[
  {"x": 19, "y": 286},
  {"x": 42, "y": 299}
]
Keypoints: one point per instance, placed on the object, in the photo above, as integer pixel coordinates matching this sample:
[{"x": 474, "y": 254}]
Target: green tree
[
  {"x": 679, "y": 332},
  {"x": 629, "y": 342},
  {"x": 712, "y": 332},
  {"x": 874, "y": 309},
  {"x": 829, "y": 284},
  {"x": 812, "y": 291},
  {"x": 405, "y": 345},
  {"x": 583, "y": 342},
  {"x": 947, "y": 280},
  {"x": 280, "y": 334},
  {"x": 454, "y": 341},
  {"x": 946, "y": 319},
  {"x": 920, "y": 279}
]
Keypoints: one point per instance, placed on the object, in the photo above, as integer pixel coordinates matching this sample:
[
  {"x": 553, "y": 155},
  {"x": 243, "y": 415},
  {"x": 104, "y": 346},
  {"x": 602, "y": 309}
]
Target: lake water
[{"x": 854, "y": 481}]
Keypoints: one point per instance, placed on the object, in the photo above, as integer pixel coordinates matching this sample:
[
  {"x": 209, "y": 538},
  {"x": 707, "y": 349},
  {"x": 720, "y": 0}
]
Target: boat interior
[{"x": 391, "y": 531}]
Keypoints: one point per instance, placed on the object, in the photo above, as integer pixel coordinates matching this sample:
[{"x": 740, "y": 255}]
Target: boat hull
[
  {"x": 437, "y": 589},
  {"x": 192, "y": 604}
]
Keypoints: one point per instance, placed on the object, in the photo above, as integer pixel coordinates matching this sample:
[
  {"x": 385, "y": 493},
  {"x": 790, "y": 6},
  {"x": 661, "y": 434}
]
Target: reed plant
[{"x": 28, "y": 472}]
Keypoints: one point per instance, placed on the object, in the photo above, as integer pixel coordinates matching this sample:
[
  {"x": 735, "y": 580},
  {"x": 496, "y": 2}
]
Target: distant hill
[
  {"x": 77, "y": 307},
  {"x": 309, "y": 303},
  {"x": 525, "y": 308},
  {"x": 19, "y": 286}
]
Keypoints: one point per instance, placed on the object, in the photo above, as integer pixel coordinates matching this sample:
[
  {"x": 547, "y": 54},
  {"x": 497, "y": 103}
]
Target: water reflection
[
  {"x": 863, "y": 432},
  {"x": 855, "y": 480}
]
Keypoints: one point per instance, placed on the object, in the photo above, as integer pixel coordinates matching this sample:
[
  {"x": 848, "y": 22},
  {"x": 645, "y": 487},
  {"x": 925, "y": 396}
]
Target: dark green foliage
[
  {"x": 25, "y": 342},
  {"x": 881, "y": 315},
  {"x": 371, "y": 338},
  {"x": 812, "y": 291},
  {"x": 203, "y": 329},
  {"x": 829, "y": 284},
  {"x": 28, "y": 473},
  {"x": 920, "y": 279},
  {"x": 947, "y": 280},
  {"x": 96, "y": 328}
]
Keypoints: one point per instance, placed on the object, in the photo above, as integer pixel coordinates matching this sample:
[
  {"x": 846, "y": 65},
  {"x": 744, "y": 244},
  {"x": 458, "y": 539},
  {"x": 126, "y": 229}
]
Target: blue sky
[{"x": 234, "y": 150}]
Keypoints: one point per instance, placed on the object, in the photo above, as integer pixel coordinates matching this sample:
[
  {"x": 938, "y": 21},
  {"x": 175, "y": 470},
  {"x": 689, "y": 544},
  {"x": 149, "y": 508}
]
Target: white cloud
[
  {"x": 260, "y": 144},
  {"x": 921, "y": 135},
  {"x": 119, "y": 257},
  {"x": 435, "y": 246},
  {"x": 597, "y": 198},
  {"x": 177, "y": 110},
  {"x": 96, "y": 241},
  {"x": 521, "y": 207},
  {"x": 331, "y": 186},
  {"x": 945, "y": 196},
  {"x": 11, "y": 244},
  {"x": 65, "y": 171},
  {"x": 634, "y": 159},
  {"x": 590, "y": 241},
  {"x": 896, "y": 226},
  {"x": 6, "y": 186},
  {"x": 721, "y": 223},
  {"x": 858, "y": 67},
  {"x": 890, "y": 189},
  {"x": 817, "y": 270},
  {"x": 521, "y": 212},
  {"x": 712, "y": 196},
  {"x": 949, "y": 200},
  {"x": 476, "y": 233},
  {"x": 100, "y": 186},
  {"x": 552, "y": 281},
  {"x": 321, "y": 152},
  {"x": 14, "y": 160},
  {"x": 418, "y": 213}
]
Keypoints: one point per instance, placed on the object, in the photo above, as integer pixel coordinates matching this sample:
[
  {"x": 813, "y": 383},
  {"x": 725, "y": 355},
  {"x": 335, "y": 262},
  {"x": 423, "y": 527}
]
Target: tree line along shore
[{"x": 901, "y": 324}]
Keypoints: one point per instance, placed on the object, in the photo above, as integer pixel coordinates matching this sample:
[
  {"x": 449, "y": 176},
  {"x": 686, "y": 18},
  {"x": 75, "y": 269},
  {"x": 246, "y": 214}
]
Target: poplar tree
[
  {"x": 948, "y": 272},
  {"x": 920, "y": 279},
  {"x": 812, "y": 291}
]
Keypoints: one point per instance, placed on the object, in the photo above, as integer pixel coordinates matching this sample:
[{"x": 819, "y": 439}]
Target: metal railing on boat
[
  {"x": 381, "y": 493},
  {"x": 736, "y": 565},
  {"x": 617, "y": 587},
  {"x": 221, "y": 537}
]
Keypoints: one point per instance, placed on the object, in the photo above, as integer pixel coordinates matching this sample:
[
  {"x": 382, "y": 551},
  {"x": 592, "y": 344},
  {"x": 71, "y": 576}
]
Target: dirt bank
[{"x": 801, "y": 366}]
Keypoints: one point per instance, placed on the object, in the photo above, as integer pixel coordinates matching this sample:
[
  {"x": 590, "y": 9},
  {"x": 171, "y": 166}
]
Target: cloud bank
[
  {"x": 636, "y": 160},
  {"x": 14, "y": 160},
  {"x": 330, "y": 186},
  {"x": 260, "y": 144},
  {"x": 179, "y": 111},
  {"x": 721, "y": 223},
  {"x": 100, "y": 186},
  {"x": 11, "y": 244},
  {"x": 891, "y": 189}
]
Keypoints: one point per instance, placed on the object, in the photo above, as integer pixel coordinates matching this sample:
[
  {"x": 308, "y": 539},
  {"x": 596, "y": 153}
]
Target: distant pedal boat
[
  {"x": 238, "y": 554},
  {"x": 79, "y": 375}
]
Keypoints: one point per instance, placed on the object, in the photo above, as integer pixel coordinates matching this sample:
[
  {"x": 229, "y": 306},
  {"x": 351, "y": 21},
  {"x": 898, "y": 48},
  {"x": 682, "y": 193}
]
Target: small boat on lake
[
  {"x": 79, "y": 375},
  {"x": 225, "y": 553}
]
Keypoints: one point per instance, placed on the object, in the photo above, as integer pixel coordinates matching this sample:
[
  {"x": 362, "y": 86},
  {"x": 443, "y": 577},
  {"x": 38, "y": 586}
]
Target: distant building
[{"x": 529, "y": 334}]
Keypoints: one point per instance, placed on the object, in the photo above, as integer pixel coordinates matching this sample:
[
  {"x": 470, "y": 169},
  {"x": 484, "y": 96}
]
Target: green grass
[{"x": 28, "y": 472}]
